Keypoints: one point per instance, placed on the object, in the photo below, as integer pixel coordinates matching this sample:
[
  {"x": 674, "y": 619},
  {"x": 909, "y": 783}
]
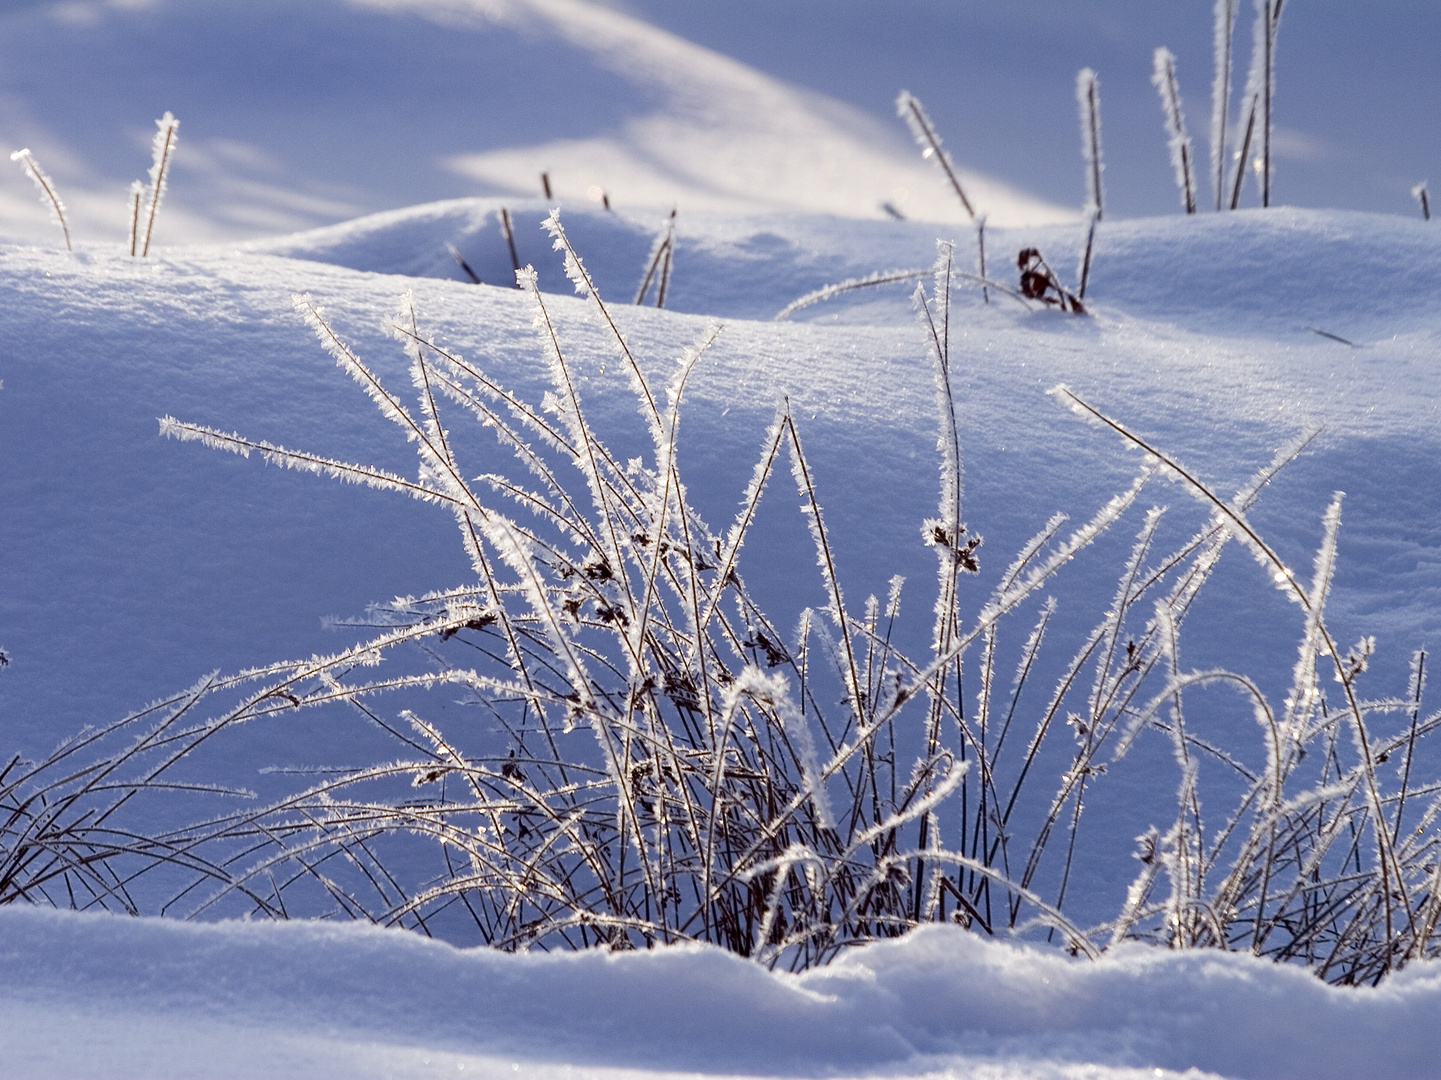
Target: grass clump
[{"x": 668, "y": 765}]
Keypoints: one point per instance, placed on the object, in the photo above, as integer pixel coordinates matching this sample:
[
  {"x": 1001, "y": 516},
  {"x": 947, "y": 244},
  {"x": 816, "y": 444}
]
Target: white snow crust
[
  {"x": 130, "y": 565},
  {"x": 102, "y": 995},
  {"x": 134, "y": 564}
]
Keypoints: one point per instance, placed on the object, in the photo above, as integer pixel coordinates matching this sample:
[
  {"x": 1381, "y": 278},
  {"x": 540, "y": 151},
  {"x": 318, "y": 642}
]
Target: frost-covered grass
[
  {"x": 670, "y": 764},
  {"x": 629, "y": 726},
  {"x": 209, "y": 336}
]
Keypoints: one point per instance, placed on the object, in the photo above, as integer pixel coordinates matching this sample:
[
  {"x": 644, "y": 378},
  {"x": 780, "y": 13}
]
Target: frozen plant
[
  {"x": 909, "y": 108},
  {"x": 981, "y": 257},
  {"x": 671, "y": 767},
  {"x": 1164, "y": 79},
  {"x": 1039, "y": 281},
  {"x": 1224, "y": 37},
  {"x": 1088, "y": 99},
  {"x": 137, "y": 192},
  {"x": 658, "y": 260},
  {"x": 1261, "y": 92},
  {"x": 1243, "y": 154},
  {"x": 1084, "y": 271},
  {"x": 893, "y": 277},
  {"x": 162, "y": 148},
  {"x": 48, "y": 195},
  {"x": 507, "y": 230},
  {"x": 656, "y": 761},
  {"x": 67, "y": 822},
  {"x": 461, "y": 262}
]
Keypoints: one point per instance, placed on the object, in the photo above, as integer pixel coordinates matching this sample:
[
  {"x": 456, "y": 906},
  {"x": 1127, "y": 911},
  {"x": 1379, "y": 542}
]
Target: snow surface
[
  {"x": 101, "y": 995},
  {"x": 132, "y": 565},
  {"x": 305, "y": 113},
  {"x": 135, "y": 564}
]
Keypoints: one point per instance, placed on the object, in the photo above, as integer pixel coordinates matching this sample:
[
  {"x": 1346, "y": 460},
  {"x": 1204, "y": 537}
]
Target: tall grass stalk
[
  {"x": 1261, "y": 83},
  {"x": 981, "y": 257},
  {"x": 137, "y": 191},
  {"x": 46, "y": 186},
  {"x": 1224, "y": 36},
  {"x": 1164, "y": 79},
  {"x": 162, "y": 149},
  {"x": 461, "y": 262},
  {"x": 1243, "y": 155},
  {"x": 1088, "y": 98},
  {"x": 1085, "y": 272},
  {"x": 909, "y": 108},
  {"x": 658, "y": 261},
  {"x": 507, "y": 230}
]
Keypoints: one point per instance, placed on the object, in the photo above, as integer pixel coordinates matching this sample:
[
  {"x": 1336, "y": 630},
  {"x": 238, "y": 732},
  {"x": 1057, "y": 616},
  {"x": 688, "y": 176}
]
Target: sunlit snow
[{"x": 132, "y": 564}]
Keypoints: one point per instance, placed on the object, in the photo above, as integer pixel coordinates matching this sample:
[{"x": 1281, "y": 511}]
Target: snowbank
[
  {"x": 159, "y": 999},
  {"x": 134, "y": 564}
]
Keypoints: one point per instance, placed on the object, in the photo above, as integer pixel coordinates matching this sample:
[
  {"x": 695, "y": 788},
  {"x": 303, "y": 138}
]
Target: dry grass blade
[{"x": 658, "y": 763}]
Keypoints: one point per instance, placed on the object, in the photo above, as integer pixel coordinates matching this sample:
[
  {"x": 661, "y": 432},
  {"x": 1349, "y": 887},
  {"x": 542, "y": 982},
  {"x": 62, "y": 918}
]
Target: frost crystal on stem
[
  {"x": 1088, "y": 100},
  {"x": 1179, "y": 142},
  {"x": 162, "y": 148},
  {"x": 48, "y": 194}
]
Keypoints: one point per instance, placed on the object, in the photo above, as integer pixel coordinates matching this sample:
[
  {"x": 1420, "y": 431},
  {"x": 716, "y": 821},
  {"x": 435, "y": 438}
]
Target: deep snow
[
  {"x": 159, "y": 999},
  {"x": 136, "y": 564},
  {"x": 132, "y": 564}
]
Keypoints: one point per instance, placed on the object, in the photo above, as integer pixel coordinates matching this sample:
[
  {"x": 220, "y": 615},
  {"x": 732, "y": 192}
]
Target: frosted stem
[
  {"x": 47, "y": 190},
  {"x": 1088, "y": 97},
  {"x": 161, "y": 149}
]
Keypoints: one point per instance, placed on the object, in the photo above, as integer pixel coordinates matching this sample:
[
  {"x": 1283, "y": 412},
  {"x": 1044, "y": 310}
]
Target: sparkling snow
[{"x": 133, "y": 564}]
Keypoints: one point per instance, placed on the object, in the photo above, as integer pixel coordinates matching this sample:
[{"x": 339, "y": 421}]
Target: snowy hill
[
  {"x": 133, "y": 565},
  {"x": 137, "y": 564},
  {"x": 1199, "y": 339},
  {"x": 94, "y": 995},
  {"x": 298, "y": 114}
]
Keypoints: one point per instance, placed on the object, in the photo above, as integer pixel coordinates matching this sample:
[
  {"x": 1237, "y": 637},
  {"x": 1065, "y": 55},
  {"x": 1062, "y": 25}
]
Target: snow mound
[
  {"x": 134, "y": 565},
  {"x": 208, "y": 562},
  {"x": 442, "y": 98},
  {"x": 1282, "y": 271},
  {"x": 322, "y": 1000}
]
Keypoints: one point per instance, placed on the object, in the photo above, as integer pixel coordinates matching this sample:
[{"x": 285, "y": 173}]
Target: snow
[
  {"x": 155, "y": 998},
  {"x": 442, "y": 98},
  {"x": 137, "y": 564},
  {"x": 1199, "y": 340},
  {"x": 132, "y": 564}
]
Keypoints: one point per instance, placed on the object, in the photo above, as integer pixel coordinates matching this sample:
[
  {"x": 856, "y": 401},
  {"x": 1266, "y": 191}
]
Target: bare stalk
[
  {"x": 1088, "y": 97},
  {"x": 48, "y": 195},
  {"x": 914, "y": 114},
  {"x": 161, "y": 149}
]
